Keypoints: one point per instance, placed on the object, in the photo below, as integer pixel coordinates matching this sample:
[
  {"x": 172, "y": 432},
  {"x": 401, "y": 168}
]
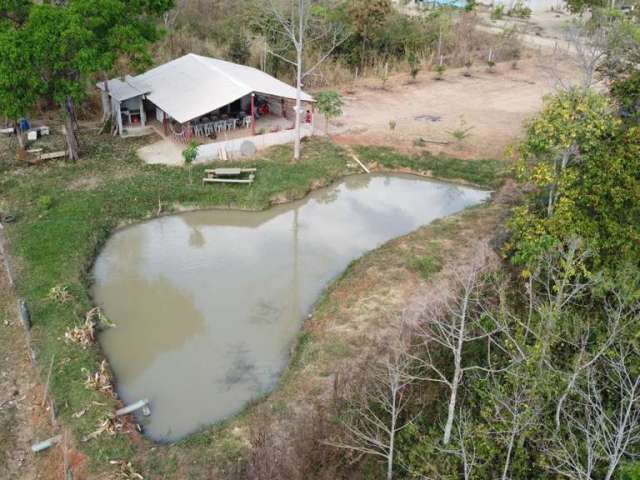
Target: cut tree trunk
[
  {"x": 71, "y": 126},
  {"x": 107, "y": 114}
]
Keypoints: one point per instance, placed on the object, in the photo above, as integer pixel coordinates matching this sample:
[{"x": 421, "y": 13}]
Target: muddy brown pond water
[{"x": 207, "y": 304}]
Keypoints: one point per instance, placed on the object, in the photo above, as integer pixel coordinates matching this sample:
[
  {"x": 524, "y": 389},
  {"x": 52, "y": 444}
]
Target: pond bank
[{"x": 66, "y": 212}]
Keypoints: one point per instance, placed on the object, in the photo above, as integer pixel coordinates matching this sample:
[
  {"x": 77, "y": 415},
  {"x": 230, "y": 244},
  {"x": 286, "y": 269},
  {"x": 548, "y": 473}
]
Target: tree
[
  {"x": 190, "y": 154},
  {"x": 368, "y": 17},
  {"x": 239, "y": 48},
  {"x": 452, "y": 327},
  {"x": 586, "y": 49},
  {"x": 329, "y": 104},
  {"x": 377, "y": 410},
  {"x": 296, "y": 26},
  {"x": 601, "y": 422},
  {"x": 514, "y": 410},
  {"x": 20, "y": 87},
  {"x": 585, "y": 167},
  {"x": 91, "y": 36}
]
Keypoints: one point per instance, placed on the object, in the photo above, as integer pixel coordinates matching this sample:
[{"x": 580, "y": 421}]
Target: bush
[
  {"x": 45, "y": 202},
  {"x": 519, "y": 10},
  {"x": 497, "y": 12}
]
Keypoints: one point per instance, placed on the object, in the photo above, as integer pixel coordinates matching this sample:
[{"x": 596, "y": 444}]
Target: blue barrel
[{"x": 24, "y": 124}]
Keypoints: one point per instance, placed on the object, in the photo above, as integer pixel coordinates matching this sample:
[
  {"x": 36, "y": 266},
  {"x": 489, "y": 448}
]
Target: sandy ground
[
  {"x": 493, "y": 105},
  {"x": 162, "y": 152}
]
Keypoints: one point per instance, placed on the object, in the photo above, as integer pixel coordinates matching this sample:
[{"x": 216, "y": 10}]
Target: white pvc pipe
[{"x": 133, "y": 407}]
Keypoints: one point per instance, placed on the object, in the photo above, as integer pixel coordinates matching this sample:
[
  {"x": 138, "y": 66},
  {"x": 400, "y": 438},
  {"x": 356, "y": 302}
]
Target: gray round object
[{"x": 248, "y": 148}]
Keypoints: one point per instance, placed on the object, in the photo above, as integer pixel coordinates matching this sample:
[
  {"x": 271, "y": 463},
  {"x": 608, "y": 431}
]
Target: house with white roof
[{"x": 203, "y": 99}]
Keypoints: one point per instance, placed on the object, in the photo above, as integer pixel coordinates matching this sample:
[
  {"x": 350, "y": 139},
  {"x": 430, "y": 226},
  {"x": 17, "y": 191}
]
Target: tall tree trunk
[
  {"x": 20, "y": 137},
  {"x": 107, "y": 114},
  {"x": 299, "y": 51},
  {"x": 392, "y": 430},
  {"x": 507, "y": 462},
  {"x": 71, "y": 126},
  {"x": 452, "y": 402}
]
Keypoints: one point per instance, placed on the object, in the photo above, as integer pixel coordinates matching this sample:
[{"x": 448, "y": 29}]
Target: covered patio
[
  {"x": 254, "y": 114},
  {"x": 201, "y": 99}
]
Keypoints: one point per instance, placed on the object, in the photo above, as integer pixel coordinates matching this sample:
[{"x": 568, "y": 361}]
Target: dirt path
[
  {"x": 23, "y": 420},
  {"x": 492, "y": 105}
]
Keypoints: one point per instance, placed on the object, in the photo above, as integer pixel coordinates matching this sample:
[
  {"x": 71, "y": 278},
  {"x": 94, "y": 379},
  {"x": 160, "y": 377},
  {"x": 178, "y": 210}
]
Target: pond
[{"x": 207, "y": 304}]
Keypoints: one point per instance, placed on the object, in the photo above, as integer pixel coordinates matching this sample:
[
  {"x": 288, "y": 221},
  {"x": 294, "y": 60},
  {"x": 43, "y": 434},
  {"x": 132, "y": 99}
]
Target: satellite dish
[{"x": 248, "y": 148}]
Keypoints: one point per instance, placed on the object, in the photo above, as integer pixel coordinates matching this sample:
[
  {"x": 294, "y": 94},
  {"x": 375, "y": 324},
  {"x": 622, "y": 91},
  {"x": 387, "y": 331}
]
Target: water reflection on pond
[{"x": 207, "y": 303}]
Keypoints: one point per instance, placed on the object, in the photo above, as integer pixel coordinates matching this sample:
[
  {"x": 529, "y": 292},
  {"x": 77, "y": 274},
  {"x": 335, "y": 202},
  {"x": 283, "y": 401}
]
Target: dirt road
[{"x": 492, "y": 105}]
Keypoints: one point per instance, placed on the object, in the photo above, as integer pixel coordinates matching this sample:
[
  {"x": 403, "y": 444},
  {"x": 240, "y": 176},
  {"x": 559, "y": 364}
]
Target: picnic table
[{"x": 229, "y": 175}]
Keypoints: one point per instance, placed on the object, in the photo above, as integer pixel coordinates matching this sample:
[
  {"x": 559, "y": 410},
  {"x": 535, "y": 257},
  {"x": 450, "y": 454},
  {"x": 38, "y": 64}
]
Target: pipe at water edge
[
  {"x": 41, "y": 446},
  {"x": 24, "y": 314},
  {"x": 360, "y": 163},
  {"x": 144, "y": 404}
]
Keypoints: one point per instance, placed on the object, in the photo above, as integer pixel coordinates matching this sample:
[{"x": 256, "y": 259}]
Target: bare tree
[
  {"x": 601, "y": 420},
  {"x": 299, "y": 28},
  {"x": 589, "y": 351},
  {"x": 376, "y": 412},
  {"x": 463, "y": 445},
  {"x": 557, "y": 283},
  {"x": 451, "y": 327},
  {"x": 515, "y": 410},
  {"x": 585, "y": 47}
]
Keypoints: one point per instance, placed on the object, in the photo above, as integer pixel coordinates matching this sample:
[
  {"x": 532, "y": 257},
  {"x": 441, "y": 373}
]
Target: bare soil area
[
  {"x": 492, "y": 105},
  {"x": 23, "y": 418}
]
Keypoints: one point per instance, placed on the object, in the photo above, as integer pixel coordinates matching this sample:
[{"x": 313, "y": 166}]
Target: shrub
[
  {"x": 497, "y": 12},
  {"x": 414, "y": 65},
  {"x": 45, "y": 202},
  {"x": 519, "y": 10},
  {"x": 440, "y": 69}
]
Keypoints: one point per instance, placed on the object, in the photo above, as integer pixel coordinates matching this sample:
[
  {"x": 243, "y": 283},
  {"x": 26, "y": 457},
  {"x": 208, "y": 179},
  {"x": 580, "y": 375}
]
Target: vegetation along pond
[{"x": 207, "y": 304}]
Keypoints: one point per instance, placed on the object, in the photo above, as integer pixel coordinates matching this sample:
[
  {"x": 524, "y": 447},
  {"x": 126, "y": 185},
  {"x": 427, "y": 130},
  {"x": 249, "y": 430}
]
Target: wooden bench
[
  {"x": 228, "y": 172},
  {"x": 229, "y": 175},
  {"x": 229, "y": 180}
]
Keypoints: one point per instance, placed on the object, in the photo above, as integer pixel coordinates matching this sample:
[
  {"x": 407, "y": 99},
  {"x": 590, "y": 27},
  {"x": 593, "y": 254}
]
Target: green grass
[
  {"x": 426, "y": 266},
  {"x": 484, "y": 173},
  {"x": 64, "y": 214}
]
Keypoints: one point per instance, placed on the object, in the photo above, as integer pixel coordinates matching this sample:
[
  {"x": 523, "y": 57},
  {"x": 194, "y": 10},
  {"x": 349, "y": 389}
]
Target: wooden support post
[
  {"x": 253, "y": 114},
  {"x": 313, "y": 115},
  {"x": 284, "y": 109},
  {"x": 143, "y": 115}
]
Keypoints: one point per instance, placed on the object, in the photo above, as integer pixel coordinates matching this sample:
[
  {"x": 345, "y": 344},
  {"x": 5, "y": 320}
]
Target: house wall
[{"x": 211, "y": 151}]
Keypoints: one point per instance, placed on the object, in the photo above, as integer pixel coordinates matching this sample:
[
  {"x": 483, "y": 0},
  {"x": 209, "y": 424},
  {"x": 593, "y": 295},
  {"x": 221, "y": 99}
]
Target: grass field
[{"x": 65, "y": 212}]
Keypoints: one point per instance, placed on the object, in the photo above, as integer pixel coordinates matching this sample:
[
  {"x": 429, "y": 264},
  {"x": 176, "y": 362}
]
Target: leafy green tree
[
  {"x": 189, "y": 155},
  {"x": 585, "y": 171},
  {"x": 238, "y": 51},
  {"x": 71, "y": 42},
  {"x": 368, "y": 17},
  {"x": 329, "y": 103},
  {"x": 20, "y": 87}
]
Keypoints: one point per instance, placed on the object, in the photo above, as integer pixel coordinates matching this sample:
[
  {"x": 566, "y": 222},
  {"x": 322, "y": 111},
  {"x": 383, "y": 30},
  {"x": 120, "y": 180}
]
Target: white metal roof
[
  {"x": 125, "y": 89},
  {"x": 191, "y": 86}
]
